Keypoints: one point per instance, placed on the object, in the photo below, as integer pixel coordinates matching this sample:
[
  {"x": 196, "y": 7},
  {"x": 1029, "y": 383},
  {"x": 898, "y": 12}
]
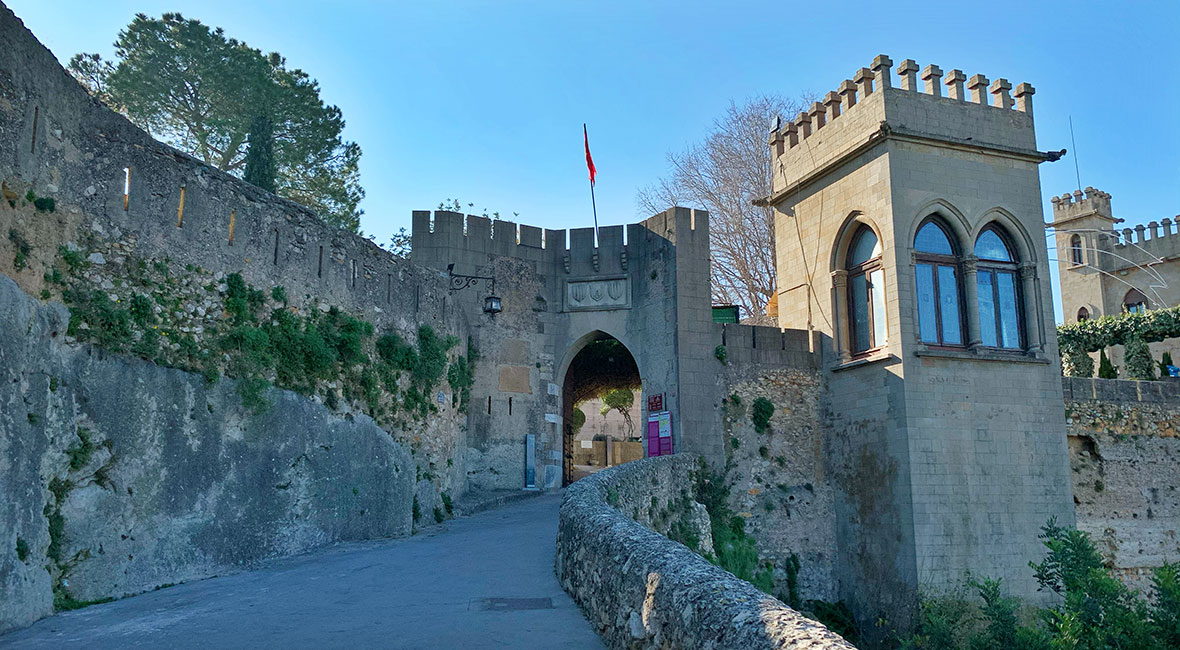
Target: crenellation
[
  {"x": 977, "y": 84},
  {"x": 954, "y": 82},
  {"x": 932, "y": 75},
  {"x": 803, "y": 121},
  {"x": 999, "y": 90},
  {"x": 881, "y": 66},
  {"x": 832, "y": 101},
  {"x": 907, "y": 71},
  {"x": 1023, "y": 94},
  {"x": 864, "y": 81},
  {"x": 818, "y": 114},
  {"x": 847, "y": 90}
]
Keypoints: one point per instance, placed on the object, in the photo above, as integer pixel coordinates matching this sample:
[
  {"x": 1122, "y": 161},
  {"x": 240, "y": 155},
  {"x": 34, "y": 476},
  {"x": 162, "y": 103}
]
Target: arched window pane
[
  {"x": 1083, "y": 314},
  {"x": 948, "y": 292},
  {"x": 932, "y": 239},
  {"x": 864, "y": 248},
  {"x": 1009, "y": 324},
  {"x": 987, "y": 308},
  {"x": 990, "y": 246},
  {"x": 860, "y": 312},
  {"x": 1075, "y": 249},
  {"x": 927, "y": 306},
  {"x": 877, "y": 286}
]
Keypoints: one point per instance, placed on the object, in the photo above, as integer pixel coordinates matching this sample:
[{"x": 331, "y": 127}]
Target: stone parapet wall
[
  {"x": 642, "y": 590},
  {"x": 110, "y": 180},
  {"x": 118, "y": 476},
  {"x": 1125, "y": 457}
]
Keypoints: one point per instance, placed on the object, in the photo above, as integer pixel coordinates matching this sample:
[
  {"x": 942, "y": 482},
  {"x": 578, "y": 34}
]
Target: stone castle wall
[
  {"x": 149, "y": 476},
  {"x": 1124, "y": 443}
]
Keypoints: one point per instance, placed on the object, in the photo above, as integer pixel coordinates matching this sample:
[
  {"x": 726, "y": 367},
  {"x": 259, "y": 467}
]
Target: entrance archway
[{"x": 603, "y": 377}]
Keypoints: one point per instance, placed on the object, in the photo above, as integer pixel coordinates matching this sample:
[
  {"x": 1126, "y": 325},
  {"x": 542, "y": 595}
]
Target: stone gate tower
[{"x": 909, "y": 235}]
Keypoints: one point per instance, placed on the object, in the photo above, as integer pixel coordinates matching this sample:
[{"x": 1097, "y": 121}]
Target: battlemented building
[
  {"x": 909, "y": 234},
  {"x": 917, "y": 425},
  {"x": 1106, "y": 270}
]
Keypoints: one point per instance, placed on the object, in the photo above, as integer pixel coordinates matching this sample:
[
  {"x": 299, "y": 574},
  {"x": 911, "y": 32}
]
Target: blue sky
[{"x": 484, "y": 101}]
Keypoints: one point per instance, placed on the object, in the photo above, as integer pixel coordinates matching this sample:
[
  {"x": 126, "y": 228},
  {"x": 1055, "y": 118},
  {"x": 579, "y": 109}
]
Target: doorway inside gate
[{"x": 602, "y": 398}]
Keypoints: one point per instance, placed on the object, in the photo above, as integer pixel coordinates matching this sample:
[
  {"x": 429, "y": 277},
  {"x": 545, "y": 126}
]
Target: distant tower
[
  {"x": 1084, "y": 228},
  {"x": 909, "y": 234}
]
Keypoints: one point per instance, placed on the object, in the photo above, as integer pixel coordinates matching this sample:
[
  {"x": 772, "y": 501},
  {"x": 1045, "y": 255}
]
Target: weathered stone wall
[
  {"x": 641, "y": 590},
  {"x": 779, "y": 483},
  {"x": 118, "y": 476},
  {"x": 119, "y": 194},
  {"x": 1125, "y": 455}
]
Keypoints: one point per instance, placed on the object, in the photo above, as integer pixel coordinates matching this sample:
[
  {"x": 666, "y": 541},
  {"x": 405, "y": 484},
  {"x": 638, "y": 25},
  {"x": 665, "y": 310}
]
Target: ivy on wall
[{"x": 1094, "y": 334}]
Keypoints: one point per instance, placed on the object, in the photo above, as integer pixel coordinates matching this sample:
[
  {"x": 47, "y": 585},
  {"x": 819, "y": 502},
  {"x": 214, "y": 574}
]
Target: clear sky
[{"x": 484, "y": 101}]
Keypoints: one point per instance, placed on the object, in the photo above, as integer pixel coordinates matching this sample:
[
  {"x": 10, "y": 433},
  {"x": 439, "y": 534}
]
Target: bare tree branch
[{"x": 724, "y": 174}]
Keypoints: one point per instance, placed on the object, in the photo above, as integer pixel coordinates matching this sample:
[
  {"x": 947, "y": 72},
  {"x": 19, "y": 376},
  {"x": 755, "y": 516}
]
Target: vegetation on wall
[
  {"x": 1106, "y": 369},
  {"x": 259, "y": 339},
  {"x": 1096, "y": 611},
  {"x": 760, "y": 413},
  {"x": 1138, "y": 360},
  {"x": 1097, "y": 333}
]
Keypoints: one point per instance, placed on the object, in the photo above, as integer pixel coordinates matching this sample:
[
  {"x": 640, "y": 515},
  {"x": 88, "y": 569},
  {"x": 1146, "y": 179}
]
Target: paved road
[{"x": 484, "y": 581}]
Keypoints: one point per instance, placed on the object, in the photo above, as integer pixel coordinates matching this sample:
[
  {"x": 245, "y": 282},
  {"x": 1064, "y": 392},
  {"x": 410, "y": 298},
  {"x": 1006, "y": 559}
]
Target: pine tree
[
  {"x": 260, "y": 161},
  {"x": 1138, "y": 360},
  {"x": 1165, "y": 361},
  {"x": 1106, "y": 369}
]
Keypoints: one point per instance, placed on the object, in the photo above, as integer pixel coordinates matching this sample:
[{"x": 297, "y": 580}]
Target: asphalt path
[{"x": 483, "y": 581}]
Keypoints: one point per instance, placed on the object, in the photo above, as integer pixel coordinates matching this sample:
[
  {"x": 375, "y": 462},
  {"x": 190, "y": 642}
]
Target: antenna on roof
[{"x": 1075, "y": 153}]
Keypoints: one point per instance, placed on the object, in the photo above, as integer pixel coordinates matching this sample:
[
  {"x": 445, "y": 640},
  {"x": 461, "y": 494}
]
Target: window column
[
  {"x": 971, "y": 288},
  {"x": 843, "y": 323},
  {"x": 1033, "y": 329}
]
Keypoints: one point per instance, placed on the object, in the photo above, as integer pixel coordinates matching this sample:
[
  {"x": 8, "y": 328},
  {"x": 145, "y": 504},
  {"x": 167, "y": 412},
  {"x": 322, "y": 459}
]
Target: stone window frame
[
  {"x": 840, "y": 251},
  {"x": 1012, "y": 267},
  {"x": 1076, "y": 255},
  {"x": 865, "y": 268},
  {"x": 955, "y": 261}
]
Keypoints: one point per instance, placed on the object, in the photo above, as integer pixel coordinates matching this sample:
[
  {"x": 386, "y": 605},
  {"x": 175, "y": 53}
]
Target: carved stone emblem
[{"x": 599, "y": 293}]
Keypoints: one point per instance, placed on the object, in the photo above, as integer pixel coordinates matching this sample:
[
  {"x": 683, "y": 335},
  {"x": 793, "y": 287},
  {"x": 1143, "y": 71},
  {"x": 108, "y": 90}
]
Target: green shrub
[
  {"x": 1138, "y": 360},
  {"x": 279, "y": 294},
  {"x": 760, "y": 414},
  {"x": 1106, "y": 370},
  {"x": 81, "y": 452},
  {"x": 1165, "y": 611},
  {"x": 438, "y": 515},
  {"x": 22, "y": 549},
  {"x": 448, "y": 505},
  {"x": 416, "y": 510},
  {"x": 1165, "y": 361},
  {"x": 252, "y": 391},
  {"x": 45, "y": 204},
  {"x": 1077, "y": 363},
  {"x": 721, "y": 353}
]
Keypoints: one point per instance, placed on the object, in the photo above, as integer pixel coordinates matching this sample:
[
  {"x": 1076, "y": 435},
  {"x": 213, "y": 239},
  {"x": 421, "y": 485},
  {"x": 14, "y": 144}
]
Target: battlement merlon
[
  {"x": 443, "y": 237},
  {"x": 874, "y": 110},
  {"x": 1073, "y": 206}
]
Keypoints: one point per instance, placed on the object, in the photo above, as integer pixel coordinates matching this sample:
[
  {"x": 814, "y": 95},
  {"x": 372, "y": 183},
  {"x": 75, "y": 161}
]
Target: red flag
[{"x": 589, "y": 160}]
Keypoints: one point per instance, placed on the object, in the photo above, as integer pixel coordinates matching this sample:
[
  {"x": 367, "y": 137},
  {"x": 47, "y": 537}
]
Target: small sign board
[{"x": 655, "y": 403}]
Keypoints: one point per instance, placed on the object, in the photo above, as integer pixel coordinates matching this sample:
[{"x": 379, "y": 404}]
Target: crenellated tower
[{"x": 908, "y": 233}]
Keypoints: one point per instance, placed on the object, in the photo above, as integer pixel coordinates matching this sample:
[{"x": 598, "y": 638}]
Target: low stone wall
[
  {"x": 642, "y": 590},
  {"x": 1125, "y": 457},
  {"x": 118, "y": 476}
]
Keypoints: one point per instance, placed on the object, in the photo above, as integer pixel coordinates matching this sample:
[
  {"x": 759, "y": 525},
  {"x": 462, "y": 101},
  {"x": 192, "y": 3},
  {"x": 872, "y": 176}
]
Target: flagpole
[{"x": 593, "y": 205}]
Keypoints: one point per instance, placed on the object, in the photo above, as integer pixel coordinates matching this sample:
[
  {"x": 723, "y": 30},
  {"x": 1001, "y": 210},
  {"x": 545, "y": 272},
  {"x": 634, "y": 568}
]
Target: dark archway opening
[{"x": 601, "y": 408}]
